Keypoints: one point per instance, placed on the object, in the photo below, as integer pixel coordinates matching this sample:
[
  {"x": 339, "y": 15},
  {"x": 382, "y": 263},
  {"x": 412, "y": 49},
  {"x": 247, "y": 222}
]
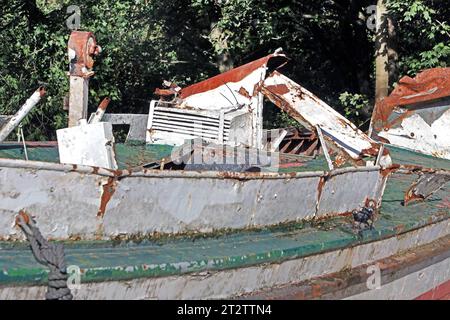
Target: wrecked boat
[
  {"x": 225, "y": 110},
  {"x": 200, "y": 166}
]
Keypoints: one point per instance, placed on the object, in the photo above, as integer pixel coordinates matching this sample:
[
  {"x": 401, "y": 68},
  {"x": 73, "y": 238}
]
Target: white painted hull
[{"x": 88, "y": 203}]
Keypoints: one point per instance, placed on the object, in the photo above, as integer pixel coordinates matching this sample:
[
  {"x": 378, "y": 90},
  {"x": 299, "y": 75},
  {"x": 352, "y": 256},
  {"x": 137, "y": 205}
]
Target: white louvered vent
[
  {"x": 174, "y": 125},
  {"x": 190, "y": 123}
]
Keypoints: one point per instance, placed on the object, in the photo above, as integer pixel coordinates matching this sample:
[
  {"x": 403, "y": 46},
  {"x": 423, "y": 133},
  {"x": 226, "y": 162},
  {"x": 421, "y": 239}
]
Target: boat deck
[{"x": 136, "y": 155}]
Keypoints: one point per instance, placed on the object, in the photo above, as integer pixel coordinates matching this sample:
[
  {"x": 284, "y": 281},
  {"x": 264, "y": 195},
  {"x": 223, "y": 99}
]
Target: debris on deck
[
  {"x": 217, "y": 101},
  {"x": 227, "y": 109},
  {"x": 312, "y": 112},
  {"x": 426, "y": 185},
  {"x": 417, "y": 114}
]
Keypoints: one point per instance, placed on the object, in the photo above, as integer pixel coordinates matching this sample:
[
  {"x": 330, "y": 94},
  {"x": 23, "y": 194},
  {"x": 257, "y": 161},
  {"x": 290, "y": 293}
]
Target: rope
[{"x": 48, "y": 254}]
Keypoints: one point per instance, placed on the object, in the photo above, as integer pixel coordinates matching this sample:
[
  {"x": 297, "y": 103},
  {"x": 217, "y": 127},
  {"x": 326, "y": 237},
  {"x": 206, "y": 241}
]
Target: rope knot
[{"x": 48, "y": 254}]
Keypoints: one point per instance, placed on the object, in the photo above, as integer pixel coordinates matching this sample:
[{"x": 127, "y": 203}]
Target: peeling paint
[
  {"x": 425, "y": 186},
  {"x": 417, "y": 114},
  {"x": 310, "y": 111},
  {"x": 108, "y": 191}
]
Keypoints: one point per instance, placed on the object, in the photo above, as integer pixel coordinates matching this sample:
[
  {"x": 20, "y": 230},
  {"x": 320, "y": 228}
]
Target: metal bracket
[
  {"x": 324, "y": 147},
  {"x": 380, "y": 155}
]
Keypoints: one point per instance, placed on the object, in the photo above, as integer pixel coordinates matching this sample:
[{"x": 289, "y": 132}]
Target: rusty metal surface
[
  {"x": 172, "y": 126},
  {"x": 341, "y": 194},
  {"x": 4, "y": 119},
  {"x": 427, "y": 86},
  {"x": 231, "y": 264},
  {"x": 14, "y": 121},
  {"x": 310, "y": 111},
  {"x": 82, "y": 47},
  {"x": 236, "y": 76},
  {"x": 238, "y": 88},
  {"x": 417, "y": 114},
  {"x": 137, "y": 123}
]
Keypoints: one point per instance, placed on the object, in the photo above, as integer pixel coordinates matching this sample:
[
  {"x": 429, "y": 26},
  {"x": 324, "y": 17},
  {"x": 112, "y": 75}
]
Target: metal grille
[{"x": 190, "y": 124}]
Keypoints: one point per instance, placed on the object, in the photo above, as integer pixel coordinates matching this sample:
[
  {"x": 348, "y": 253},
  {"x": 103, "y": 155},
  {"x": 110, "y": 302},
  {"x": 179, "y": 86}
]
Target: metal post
[
  {"x": 324, "y": 147},
  {"x": 78, "y": 99},
  {"x": 22, "y": 113},
  {"x": 380, "y": 155},
  {"x": 221, "y": 127},
  {"x": 82, "y": 48},
  {"x": 98, "y": 115},
  {"x": 22, "y": 137}
]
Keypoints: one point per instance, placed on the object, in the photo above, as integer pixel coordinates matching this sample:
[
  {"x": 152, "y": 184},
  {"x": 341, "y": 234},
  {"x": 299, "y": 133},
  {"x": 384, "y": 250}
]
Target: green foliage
[
  {"x": 275, "y": 118},
  {"x": 142, "y": 45},
  {"x": 147, "y": 41},
  {"x": 424, "y": 34},
  {"x": 352, "y": 105},
  {"x": 32, "y": 54}
]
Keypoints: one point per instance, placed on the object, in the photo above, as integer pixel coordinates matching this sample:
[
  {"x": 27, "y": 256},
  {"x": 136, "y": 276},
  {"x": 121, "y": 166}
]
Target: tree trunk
[
  {"x": 219, "y": 40},
  {"x": 381, "y": 52},
  {"x": 392, "y": 51}
]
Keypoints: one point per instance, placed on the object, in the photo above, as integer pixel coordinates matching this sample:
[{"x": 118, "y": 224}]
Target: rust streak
[
  {"x": 108, "y": 190},
  {"x": 428, "y": 85},
  {"x": 243, "y": 92},
  {"x": 104, "y": 104},
  {"x": 279, "y": 89},
  {"x": 25, "y": 217},
  {"x": 234, "y": 75}
]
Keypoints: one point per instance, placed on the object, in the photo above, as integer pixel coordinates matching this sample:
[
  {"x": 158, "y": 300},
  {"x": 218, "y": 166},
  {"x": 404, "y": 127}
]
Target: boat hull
[
  {"x": 307, "y": 277},
  {"x": 85, "y": 203}
]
